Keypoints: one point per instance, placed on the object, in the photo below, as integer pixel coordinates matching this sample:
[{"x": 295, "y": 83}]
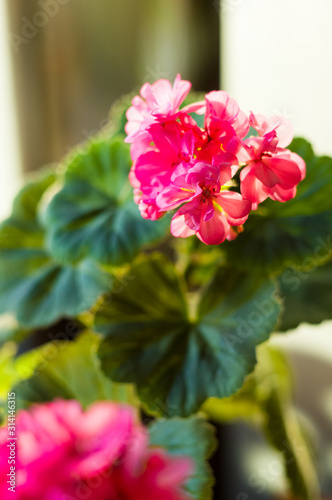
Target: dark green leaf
[
  {"x": 307, "y": 296},
  {"x": 193, "y": 438},
  {"x": 36, "y": 288},
  {"x": 70, "y": 370},
  {"x": 94, "y": 213},
  {"x": 281, "y": 235},
  {"x": 179, "y": 361}
]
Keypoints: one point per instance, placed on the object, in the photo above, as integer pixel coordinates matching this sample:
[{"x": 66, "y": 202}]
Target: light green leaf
[
  {"x": 12, "y": 370},
  {"x": 178, "y": 361},
  {"x": 33, "y": 286},
  {"x": 10, "y": 330},
  {"x": 94, "y": 213},
  {"x": 70, "y": 370},
  {"x": 281, "y": 235},
  {"x": 193, "y": 438}
]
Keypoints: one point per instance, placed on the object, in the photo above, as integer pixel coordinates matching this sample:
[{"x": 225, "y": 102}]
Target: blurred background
[{"x": 64, "y": 62}]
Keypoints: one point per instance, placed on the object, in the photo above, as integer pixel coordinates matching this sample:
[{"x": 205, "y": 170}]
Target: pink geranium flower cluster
[
  {"x": 215, "y": 174},
  {"x": 63, "y": 453}
]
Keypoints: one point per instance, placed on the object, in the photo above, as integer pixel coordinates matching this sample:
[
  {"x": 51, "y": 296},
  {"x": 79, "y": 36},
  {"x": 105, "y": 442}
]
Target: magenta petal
[
  {"x": 193, "y": 211},
  {"x": 242, "y": 125},
  {"x": 280, "y": 124},
  {"x": 285, "y": 168},
  {"x": 188, "y": 144},
  {"x": 166, "y": 140},
  {"x": 252, "y": 189},
  {"x": 150, "y": 166},
  {"x": 179, "y": 228},
  {"x": 219, "y": 105},
  {"x": 181, "y": 89},
  {"x": 265, "y": 175},
  {"x": 197, "y": 107},
  {"x": 209, "y": 210},
  {"x": 295, "y": 158},
  {"x": 282, "y": 195},
  {"x": 179, "y": 174},
  {"x": 235, "y": 207},
  {"x": 228, "y": 165},
  {"x": 202, "y": 172},
  {"x": 171, "y": 197},
  {"x": 215, "y": 230}
]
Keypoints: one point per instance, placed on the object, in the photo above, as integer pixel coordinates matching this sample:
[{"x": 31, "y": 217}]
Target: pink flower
[
  {"x": 279, "y": 124},
  {"x": 100, "y": 454},
  {"x": 270, "y": 171},
  {"x": 158, "y": 102},
  {"x": 210, "y": 209},
  {"x": 146, "y": 201},
  {"x": 221, "y": 112},
  {"x": 177, "y": 162},
  {"x": 153, "y": 170}
]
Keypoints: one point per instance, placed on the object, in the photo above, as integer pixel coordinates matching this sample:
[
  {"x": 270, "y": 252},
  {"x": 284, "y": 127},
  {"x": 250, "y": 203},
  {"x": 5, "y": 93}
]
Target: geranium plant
[{"x": 140, "y": 278}]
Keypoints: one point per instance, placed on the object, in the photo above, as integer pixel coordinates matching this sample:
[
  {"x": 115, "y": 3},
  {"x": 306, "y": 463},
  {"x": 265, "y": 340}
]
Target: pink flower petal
[
  {"x": 280, "y": 124},
  {"x": 219, "y": 105},
  {"x": 179, "y": 228},
  {"x": 267, "y": 176},
  {"x": 282, "y": 195},
  {"x": 285, "y": 168},
  {"x": 102, "y": 453},
  {"x": 252, "y": 189},
  {"x": 197, "y": 107},
  {"x": 235, "y": 207},
  {"x": 215, "y": 230},
  {"x": 171, "y": 197}
]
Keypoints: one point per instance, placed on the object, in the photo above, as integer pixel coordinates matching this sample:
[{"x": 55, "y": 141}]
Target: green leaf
[
  {"x": 12, "y": 370},
  {"x": 267, "y": 397},
  {"x": 193, "y": 438},
  {"x": 307, "y": 296},
  {"x": 285, "y": 432},
  {"x": 179, "y": 361},
  {"x": 70, "y": 370},
  {"x": 243, "y": 405},
  {"x": 94, "y": 213},
  {"x": 33, "y": 286},
  {"x": 281, "y": 235},
  {"x": 117, "y": 115}
]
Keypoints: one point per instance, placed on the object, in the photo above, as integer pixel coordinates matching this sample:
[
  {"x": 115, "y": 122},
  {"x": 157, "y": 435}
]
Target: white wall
[
  {"x": 278, "y": 58},
  {"x": 10, "y": 167}
]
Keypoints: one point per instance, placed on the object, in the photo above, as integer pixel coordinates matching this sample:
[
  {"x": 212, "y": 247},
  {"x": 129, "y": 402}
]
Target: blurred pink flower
[{"x": 100, "y": 454}]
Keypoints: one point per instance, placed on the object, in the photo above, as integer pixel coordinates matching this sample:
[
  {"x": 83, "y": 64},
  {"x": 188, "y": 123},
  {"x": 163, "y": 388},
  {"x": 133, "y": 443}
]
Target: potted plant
[{"x": 146, "y": 274}]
